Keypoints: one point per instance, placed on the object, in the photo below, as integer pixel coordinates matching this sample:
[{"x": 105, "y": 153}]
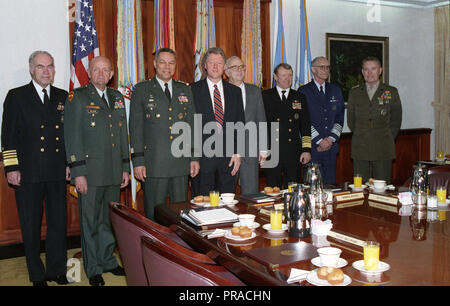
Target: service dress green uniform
[
  {"x": 375, "y": 124},
  {"x": 97, "y": 148},
  {"x": 152, "y": 118}
]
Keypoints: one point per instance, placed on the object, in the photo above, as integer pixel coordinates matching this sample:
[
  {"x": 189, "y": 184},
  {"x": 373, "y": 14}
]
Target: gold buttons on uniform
[
  {"x": 289, "y": 140},
  {"x": 112, "y": 134},
  {"x": 170, "y": 127},
  {"x": 42, "y": 138},
  {"x": 109, "y": 116},
  {"x": 113, "y": 145},
  {"x": 57, "y": 150},
  {"x": 278, "y": 119},
  {"x": 171, "y": 137},
  {"x": 158, "y": 115},
  {"x": 170, "y": 109},
  {"x": 290, "y": 120},
  {"x": 110, "y": 125},
  {"x": 276, "y": 139},
  {"x": 290, "y": 130},
  {"x": 57, "y": 138},
  {"x": 42, "y": 150},
  {"x": 170, "y": 118},
  {"x": 57, "y": 127},
  {"x": 42, "y": 126}
]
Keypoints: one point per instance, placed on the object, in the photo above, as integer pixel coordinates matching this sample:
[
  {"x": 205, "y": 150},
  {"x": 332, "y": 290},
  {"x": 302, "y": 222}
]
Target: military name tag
[
  {"x": 296, "y": 105},
  {"x": 92, "y": 111},
  {"x": 92, "y": 107}
]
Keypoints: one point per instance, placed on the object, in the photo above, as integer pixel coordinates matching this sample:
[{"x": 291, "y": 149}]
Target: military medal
[
  {"x": 296, "y": 105},
  {"x": 147, "y": 116},
  {"x": 333, "y": 99},
  {"x": 183, "y": 99},
  {"x": 120, "y": 123},
  {"x": 119, "y": 104},
  {"x": 70, "y": 98}
]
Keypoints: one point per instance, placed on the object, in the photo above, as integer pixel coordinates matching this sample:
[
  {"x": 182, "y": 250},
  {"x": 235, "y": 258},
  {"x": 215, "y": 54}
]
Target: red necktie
[{"x": 218, "y": 109}]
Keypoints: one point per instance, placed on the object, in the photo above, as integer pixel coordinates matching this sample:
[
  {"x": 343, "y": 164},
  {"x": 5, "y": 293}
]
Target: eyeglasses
[
  {"x": 323, "y": 67},
  {"x": 236, "y": 67}
]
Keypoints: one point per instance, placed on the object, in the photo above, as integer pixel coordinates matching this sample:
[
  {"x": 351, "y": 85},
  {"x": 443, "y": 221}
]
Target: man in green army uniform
[
  {"x": 97, "y": 151},
  {"x": 374, "y": 115},
  {"x": 156, "y": 105}
]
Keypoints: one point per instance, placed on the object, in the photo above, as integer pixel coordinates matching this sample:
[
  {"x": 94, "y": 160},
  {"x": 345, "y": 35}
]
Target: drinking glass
[
  {"x": 357, "y": 181},
  {"x": 214, "y": 198},
  {"x": 276, "y": 219},
  {"x": 371, "y": 255},
  {"x": 441, "y": 193}
]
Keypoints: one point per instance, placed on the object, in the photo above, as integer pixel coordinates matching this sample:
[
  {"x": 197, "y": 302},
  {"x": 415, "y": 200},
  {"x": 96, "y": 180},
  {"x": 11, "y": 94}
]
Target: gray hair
[
  {"x": 234, "y": 57},
  {"x": 36, "y": 53},
  {"x": 214, "y": 50},
  {"x": 314, "y": 61},
  {"x": 168, "y": 50}
]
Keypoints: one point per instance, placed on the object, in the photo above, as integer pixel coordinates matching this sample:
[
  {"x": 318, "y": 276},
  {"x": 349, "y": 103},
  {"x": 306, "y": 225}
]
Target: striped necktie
[{"x": 218, "y": 108}]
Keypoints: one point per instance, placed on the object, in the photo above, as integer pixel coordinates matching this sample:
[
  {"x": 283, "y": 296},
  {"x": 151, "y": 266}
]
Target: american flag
[{"x": 85, "y": 43}]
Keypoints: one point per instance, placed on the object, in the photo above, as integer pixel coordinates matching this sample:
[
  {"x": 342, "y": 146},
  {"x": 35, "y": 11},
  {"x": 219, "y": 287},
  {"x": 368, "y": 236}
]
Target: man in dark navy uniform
[
  {"x": 326, "y": 111},
  {"x": 35, "y": 165}
]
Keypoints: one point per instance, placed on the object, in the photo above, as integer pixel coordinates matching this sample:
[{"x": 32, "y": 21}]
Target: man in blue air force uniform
[{"x": 326, "y": 111}]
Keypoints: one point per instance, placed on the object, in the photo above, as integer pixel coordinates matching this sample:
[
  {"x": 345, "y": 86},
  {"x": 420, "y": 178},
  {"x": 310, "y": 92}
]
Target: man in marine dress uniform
[
  {"x": 35, "y": 165},
  {"x": 374, "y": 115},
  {"x": 287, "y": 107},
  {"x": 156, "y": 105},
  {"x": 254, "y": 113},
  {"x": 97, "y": 152},
  {"x": 326, "y": 111}
]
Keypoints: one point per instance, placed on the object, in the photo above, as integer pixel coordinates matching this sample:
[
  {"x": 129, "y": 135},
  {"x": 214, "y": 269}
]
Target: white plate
[
  {"x": 341, "y": 262},
  {"x": 313, "y": 279},
  {"x": 199, "y": 204},
  {"x": 357, "y": 189},
  {"x": 272, "y": 231},
  {"x": 207, "y": 204},
  {"x": 229, "y": 204},
  {"x": 382, "y": 267},
  {"x": 229, "y": 235},
  {"x": 272, "y": 194},
  {"x": 255, "y": 225}
]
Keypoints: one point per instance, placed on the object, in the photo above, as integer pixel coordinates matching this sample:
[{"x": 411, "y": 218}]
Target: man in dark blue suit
[
  {"x": 219, "y": 103},
  {"x": 326, "y": 111}
]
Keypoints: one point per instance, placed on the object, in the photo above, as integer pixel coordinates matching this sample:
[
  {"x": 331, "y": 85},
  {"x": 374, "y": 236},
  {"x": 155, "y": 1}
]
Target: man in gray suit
[{"x": 254, "y": 113}]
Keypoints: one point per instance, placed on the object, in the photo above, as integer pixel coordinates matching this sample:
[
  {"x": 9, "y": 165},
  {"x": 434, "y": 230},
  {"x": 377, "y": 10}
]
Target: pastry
[
  {"x": 198, "y": 199},
  {"x": 268, "y": 190},
  {"x": 336, "y": 277},
  {"x": 276, "y": 190},
  {"x": 205, "y": 198},
  {"x": 245, "y": 232},
  {"x": 323, "y": 272},
  {"x": 371, "y": 181},
  {"x": 235, "y": 231}
]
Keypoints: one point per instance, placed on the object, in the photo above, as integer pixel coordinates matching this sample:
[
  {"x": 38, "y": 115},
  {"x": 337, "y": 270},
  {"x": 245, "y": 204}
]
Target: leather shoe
[
  {"x": 119, "y": 271},
  {"x": 60, "y": 280},
  {"x": 96, "y": 280},
  {"x": 40, "y": 284}
]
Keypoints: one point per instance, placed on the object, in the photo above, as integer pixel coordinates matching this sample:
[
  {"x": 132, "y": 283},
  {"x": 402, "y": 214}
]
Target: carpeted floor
[{"x": 13, "y": 272}]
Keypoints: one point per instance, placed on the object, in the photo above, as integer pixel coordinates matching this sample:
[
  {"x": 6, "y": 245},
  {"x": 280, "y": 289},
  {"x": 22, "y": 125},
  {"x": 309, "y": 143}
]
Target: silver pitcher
[
  {"x": 313, "y": 177},
  {"x": 298, "y": 208}
]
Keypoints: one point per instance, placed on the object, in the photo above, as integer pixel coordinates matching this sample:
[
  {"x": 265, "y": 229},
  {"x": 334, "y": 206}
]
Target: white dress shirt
[
  {"x": 161, "y": 82},
  {"x": 101, "y": 93},
  {"x": 318, "y": 86},
  {"x": 244, "y": 94},
  {"x": 39, "y": 89},
  {"x": 211, "y": 92},
  {"x": 286, "y": 94}
]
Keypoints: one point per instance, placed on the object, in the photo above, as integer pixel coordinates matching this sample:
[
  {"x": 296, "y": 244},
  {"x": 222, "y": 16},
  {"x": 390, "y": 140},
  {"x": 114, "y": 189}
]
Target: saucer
[
  {"x": 255, "y": 225},
  {"x": 313, "y": 279},
  {"x": 275, "y": 231},
  {"x": 381, "y": 190},
  {"x": 357, "y": 188},
  {"x": 229, "y": 235},
  {"x": 382, "y": 267},
  {"x": 229, "y": 204},
  {"x": 341, "y": 262}
]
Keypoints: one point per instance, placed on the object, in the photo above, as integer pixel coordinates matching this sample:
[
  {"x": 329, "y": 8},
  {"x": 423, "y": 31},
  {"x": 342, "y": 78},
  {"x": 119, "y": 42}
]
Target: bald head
[{"x": 100, "y": 71}]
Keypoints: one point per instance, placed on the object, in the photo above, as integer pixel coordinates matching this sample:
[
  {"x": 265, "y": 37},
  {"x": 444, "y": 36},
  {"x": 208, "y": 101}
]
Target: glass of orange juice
[
  {"x": 276, "y": 219},
  {"x": 357, "y": 181},
  {"x": 440, "y": 155},
  {"x": 371, "y": 255},
  {"x": 214, "y": 198},
  {"x": 441, "y": 193}
]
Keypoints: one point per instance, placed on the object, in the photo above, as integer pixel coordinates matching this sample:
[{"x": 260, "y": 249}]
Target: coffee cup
[
  {"x": 379, "y": 184},
  {"x": 246, "y": 220},
  {"x": 329, "y": 256},
  {"x": 227, "y": 198}
]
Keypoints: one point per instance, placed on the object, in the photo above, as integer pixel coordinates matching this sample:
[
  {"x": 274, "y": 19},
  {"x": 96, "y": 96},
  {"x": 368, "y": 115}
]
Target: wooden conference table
[{"x": 415, "y": 243}]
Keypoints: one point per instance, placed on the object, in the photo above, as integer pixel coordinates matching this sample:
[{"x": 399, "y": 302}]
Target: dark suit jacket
[
  {"x": 234, "y": 112},
  {"x": 293, "y": 117},
  {"x": 33, "y": 134}
]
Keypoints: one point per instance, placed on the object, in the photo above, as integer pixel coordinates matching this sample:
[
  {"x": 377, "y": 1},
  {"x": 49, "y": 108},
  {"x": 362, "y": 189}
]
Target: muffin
[
  {"x": 336, "y": 277},
  {"x": 245, "y": 232},
  {"x": 198, "y": 199},
  {"x": 276, "y": 189},
  {"x": 323, "y": 272},
  {"x": 235, "y": 231},
  {"x": 268, "y": 190}
]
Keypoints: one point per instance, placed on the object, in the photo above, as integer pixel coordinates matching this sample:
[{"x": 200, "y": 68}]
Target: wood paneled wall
[{"x": 228, "y": 14}]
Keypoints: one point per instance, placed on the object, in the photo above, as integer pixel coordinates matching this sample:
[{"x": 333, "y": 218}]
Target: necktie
[
  {"x": 46, "y": 99},
  {"x": 321, "y": 90},
  {"x": 218, "y": 108},
  {"x": 284, "y": 99},
  {"x": 167, "y": 91},
  {"x": 104, "y": 100}
]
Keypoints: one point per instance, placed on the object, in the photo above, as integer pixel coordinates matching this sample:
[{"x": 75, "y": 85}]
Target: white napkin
[
  {"x": 405, "y": 198},
  {"x": 297, "y": 275},
  {"x": 217, "y": 233}
]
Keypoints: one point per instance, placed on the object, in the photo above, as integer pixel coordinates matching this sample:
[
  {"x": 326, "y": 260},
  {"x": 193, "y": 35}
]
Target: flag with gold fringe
[
  {"x": 164, "y": 30},
  {"x": 251, "y": 47},
  {"x": 205, "y": 33},
  {"x": 302, "y": 72},
  {"x": 279, "y": 42},
  {"x": 130, "y": 59}
]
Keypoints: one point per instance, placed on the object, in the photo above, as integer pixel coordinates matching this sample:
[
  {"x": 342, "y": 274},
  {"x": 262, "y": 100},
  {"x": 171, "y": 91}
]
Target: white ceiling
[{"x": 405, "y": 3}]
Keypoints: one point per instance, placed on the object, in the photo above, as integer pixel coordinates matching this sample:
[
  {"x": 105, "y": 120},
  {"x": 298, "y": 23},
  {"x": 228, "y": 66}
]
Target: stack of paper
[{"x": 212, "y": 216}]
